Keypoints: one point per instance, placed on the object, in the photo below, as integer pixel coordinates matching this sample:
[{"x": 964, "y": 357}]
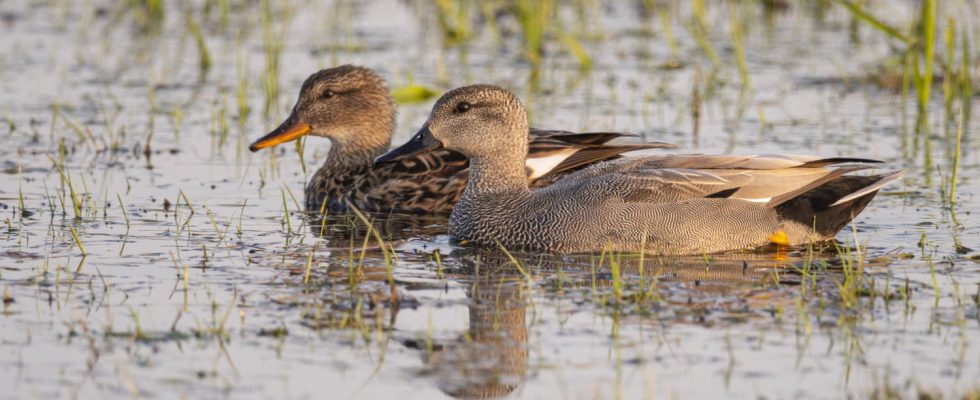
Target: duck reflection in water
[{"x": 490, "y": 359}]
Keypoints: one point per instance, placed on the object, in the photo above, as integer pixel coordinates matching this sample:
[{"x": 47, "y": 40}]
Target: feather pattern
[
  {"x": 433, "y": 182},
  {"x": 351, "y": 106},
  {"x": 662, "y": 204}
]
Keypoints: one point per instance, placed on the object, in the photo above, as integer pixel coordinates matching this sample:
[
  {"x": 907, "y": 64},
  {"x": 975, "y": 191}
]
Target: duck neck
[
  {"x": 350, "y": 156},
  {"x": 357, "y": 150},
  {"x": 490, "y": 175}
]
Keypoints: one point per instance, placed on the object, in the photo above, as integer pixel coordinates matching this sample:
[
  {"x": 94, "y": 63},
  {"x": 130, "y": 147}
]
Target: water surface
[{"x": 201, "y": 278}]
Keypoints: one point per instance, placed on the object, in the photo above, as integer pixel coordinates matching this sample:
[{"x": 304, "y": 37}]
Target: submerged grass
[
  {"x": 78, "y": 241},
  {"x": 66, "y": 182},
  {"x": 386, "y": 251},
  {"x": 954, "y": 175}
]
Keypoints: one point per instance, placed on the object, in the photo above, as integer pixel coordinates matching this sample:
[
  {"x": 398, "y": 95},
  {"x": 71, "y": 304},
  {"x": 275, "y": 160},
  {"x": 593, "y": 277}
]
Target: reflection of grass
[
  {"x": 852, "y": 266},
  {"x": 20, "y": 191},
  {"x": 286, "y": 220}
]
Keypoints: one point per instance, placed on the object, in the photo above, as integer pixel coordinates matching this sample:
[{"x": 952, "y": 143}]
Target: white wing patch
[{"x": 540, "y": 166}]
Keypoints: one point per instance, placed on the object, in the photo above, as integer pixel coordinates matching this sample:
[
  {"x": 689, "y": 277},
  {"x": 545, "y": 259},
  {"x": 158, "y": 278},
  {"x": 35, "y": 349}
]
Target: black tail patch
[{"x": 816, "y": 208}]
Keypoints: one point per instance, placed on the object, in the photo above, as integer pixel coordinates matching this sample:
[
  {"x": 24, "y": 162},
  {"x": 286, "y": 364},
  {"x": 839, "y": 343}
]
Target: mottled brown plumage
[
  {"x": 666, "y": 204},
  {"x": 352, "y": 107}
]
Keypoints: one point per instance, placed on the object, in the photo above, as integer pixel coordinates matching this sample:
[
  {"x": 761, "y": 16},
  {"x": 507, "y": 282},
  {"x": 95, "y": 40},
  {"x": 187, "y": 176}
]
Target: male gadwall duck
[
  {"x": 351, "y": 106},
  {"x": 691, "y": 204}
]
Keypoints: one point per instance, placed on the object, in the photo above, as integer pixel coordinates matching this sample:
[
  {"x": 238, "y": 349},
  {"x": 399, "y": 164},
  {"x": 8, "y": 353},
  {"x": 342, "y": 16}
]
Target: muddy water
[{"x": 194, "y": 281}]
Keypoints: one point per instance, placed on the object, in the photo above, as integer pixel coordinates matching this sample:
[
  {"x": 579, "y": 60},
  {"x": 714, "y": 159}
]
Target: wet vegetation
[{"x": 145, "y": 253}]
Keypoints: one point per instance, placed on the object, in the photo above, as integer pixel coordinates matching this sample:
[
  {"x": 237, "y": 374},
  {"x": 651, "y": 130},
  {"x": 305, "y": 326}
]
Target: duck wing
[
  {"x": 759, "y": 178},
  {"x": 773, "y": 175},
  {"x": 432, "y": 182},
  {"x": 552, "y": 154},
  {"x": 425, "y": 183}
]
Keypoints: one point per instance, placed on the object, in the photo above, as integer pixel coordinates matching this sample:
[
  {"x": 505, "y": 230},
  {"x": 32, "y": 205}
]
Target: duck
[
  {"x": 659, "y": 204},
  {"x": 351, "y": 106}
]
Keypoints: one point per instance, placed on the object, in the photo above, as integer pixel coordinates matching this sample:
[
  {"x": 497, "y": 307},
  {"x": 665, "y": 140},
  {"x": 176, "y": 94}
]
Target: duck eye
[
  {"x": 327, "y": 94},
  {"x": 463, "y": 107}
]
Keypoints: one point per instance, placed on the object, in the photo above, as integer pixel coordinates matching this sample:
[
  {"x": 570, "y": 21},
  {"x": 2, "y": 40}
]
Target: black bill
[{"x": 420, "y": 143}]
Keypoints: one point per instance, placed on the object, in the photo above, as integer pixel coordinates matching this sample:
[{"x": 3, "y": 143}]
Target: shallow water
[{"x": 201, "y": 287}]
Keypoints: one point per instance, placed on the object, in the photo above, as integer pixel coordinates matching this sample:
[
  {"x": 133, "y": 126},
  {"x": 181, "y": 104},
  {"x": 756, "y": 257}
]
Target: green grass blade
[{"x": 869, "y": 19}]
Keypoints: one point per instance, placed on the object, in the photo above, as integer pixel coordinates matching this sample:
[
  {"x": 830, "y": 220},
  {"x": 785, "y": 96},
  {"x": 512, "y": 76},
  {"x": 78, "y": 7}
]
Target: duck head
[
  {"x": 477, "y": 121},
  {"x": 346, "y": 104}
]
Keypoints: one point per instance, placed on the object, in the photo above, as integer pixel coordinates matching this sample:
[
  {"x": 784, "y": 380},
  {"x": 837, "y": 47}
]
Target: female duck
[
  {"x": 351, "y": 106},
  {"x": 660, "y": 204}
]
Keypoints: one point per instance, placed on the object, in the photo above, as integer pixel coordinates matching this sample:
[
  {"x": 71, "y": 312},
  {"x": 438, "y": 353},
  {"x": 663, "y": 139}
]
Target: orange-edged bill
[{"x": 289, "y": 130}]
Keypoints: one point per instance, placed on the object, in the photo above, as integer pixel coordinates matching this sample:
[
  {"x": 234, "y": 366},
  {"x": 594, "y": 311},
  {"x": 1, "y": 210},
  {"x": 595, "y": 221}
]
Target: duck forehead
[
  {"x": 342, "y": 78},
  {"x": 477, "y": 94}
]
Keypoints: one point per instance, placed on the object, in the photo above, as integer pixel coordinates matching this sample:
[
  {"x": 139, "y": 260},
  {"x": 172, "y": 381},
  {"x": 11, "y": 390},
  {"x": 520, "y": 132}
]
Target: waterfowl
[
  {"x": 663, "y": 204},
  {"x": 351, "y": 106}
]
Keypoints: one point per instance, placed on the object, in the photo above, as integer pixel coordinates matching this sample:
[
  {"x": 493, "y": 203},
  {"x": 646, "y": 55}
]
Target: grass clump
[
  {"x": 919, "y": 48},
  {"x": 202, "y": 48}
]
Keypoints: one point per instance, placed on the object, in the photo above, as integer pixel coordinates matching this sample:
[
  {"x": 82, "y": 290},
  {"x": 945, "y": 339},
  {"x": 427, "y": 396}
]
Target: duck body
[
  {"x": 351, "y": 106},
  {"x": 430, "y": 183},
  {"x": 664, "y": 228},
  {"x": 606, "y": 212},
  {"x": 665, "y": 204}
]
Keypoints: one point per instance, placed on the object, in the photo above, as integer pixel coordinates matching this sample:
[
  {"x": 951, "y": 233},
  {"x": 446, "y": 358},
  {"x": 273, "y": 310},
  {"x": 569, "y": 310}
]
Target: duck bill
[
  {"x": 420, "y": 143},
  {"x": 290, "y": 130}
]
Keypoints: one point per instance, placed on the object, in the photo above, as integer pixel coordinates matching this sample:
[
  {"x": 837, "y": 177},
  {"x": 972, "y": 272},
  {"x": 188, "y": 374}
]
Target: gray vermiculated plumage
[
  {"x": 659, "y": 204},
  {"x": 351, "y": 106}
]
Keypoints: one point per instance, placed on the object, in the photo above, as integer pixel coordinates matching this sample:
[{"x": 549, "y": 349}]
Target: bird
[
  {"x": 351, "y": 106},
  {"x": 660, "y": 204}
]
